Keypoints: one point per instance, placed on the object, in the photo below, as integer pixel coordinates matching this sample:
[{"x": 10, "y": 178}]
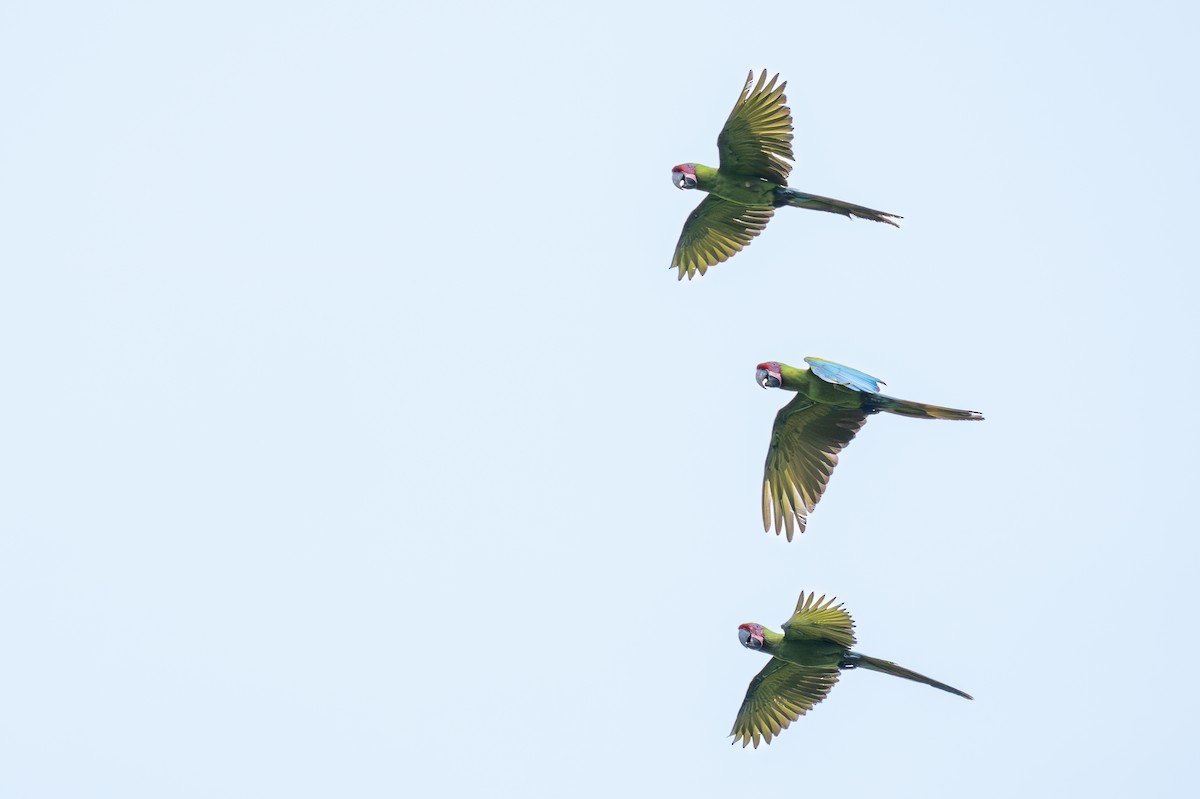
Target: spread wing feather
[
  {"x": 757, "y": 137},
  {"x": 820, "y": 619},
  {"x": 778, "y": 695},
  {"x": 805, "y": 443},
  {"x": 715, "y": 231}
]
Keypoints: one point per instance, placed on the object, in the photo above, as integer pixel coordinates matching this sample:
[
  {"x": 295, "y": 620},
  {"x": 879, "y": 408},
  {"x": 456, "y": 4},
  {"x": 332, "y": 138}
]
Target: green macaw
[
  {"x": 755, "y": 148},
  {"x": 832, "y": 403},
  {"x": 806, "y": 660}
]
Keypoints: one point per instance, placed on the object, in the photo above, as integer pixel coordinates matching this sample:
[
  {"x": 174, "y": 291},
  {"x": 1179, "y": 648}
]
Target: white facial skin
[
  {"x": 749, "y": 639},
  {"x": 768, "y": 377},
  {"x": 683, "y": 179}
]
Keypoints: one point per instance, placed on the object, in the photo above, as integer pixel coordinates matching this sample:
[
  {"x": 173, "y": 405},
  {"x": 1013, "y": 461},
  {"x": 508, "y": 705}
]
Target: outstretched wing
[
  {"x": 778, "y": 695},
  {"x": 819, "y": 619},
  {"x": 715, "y": 231},
  {"x": 805, "y": 443},
  {"x": 840, "y": 375},
  {"x": 757, "y": 137}
]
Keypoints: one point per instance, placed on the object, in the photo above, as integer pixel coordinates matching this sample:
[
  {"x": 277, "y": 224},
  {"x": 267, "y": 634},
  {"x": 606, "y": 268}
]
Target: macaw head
[
  {"x": 767, "y": 375},
  {"x": 684, "y": 176},
  {"x": 751, "y": 635}
]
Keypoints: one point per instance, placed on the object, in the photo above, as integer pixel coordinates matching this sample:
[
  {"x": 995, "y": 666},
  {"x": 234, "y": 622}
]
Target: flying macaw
[
  {"x": 755, "y": 148},
  {"x": 807, "y": 659},
  {"x": 832, "y": 403}
]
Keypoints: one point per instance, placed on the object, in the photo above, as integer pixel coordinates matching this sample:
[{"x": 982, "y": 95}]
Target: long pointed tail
[
  {"x": 919, "y": 410},
  {"x": 855, "y": 660},
  {"x": 815, "y": 202}
]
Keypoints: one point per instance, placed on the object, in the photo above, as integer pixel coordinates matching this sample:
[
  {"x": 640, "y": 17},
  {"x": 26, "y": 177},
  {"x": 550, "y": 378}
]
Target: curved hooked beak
[
  {"x": 683, "y": 180},
  {"x": 749, "y": 640},
  {"x": 768, "y": 378}
]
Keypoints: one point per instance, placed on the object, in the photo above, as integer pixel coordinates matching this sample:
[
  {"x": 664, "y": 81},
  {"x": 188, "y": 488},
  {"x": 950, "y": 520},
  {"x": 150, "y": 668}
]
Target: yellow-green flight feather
[
  {"x": 757, "y": 136},
  {"x": 831, "y": 405},
  {"x": 807, "y": 659},
  {"x": 755, "y": 151}
]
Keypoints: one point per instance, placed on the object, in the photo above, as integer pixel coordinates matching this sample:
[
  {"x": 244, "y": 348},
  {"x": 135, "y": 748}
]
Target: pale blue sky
[{"x": 359, "y": 441}]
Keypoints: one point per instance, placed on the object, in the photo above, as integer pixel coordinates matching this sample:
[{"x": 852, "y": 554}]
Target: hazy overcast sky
[{"x": 358, "y": 440}]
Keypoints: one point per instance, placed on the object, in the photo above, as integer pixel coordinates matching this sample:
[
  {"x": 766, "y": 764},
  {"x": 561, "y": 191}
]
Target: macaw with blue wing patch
[
  {"x": 755, "y": 148},
  {"x": 832, "y": 403},
  {"x": 806, "y": 660}
]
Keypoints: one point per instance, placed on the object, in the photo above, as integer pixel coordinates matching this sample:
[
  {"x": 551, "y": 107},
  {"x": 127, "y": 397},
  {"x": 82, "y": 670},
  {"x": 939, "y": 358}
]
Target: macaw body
[
  {"x": 741, "y": 189},
  {"x": 755, "y": 149},
  {"x": 807, "y": 383},
  {"x": 755, "y": 191},
  {"x": 832, "y": 404},
  {"x": 806, "y": 660}
]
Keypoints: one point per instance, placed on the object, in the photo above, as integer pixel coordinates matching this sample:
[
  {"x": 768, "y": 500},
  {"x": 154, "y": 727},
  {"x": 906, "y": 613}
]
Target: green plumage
[
  {"x": 755, "y": 151},
  {"x": 806, "y": 660},
  {"x": 811, "y": 430}
]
